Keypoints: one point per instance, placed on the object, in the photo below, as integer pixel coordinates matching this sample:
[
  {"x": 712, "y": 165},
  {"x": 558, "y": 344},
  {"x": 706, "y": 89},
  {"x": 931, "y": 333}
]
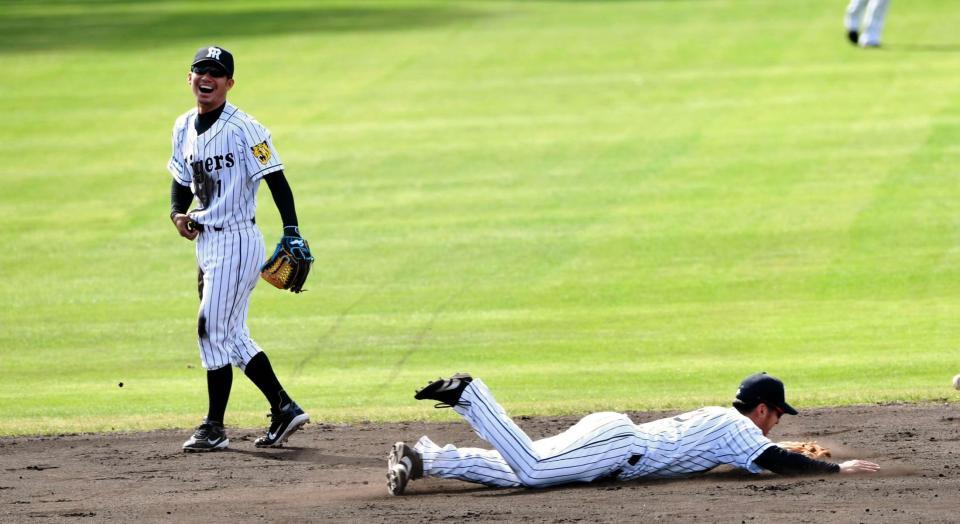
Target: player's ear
[
  {"x": 767, "y": 410},
  {"x": 229, "y": 83},
  {"x": 189, "y": 74}
]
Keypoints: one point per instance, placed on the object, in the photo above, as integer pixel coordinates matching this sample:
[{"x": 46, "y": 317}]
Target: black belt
[{"x": 202, "y": 227}]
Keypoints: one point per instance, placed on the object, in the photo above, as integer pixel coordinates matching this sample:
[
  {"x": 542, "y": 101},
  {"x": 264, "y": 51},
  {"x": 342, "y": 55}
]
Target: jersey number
[{"x": 205, "y": 188}]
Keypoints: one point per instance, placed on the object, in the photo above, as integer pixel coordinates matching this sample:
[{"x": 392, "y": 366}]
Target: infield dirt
[{"x": 336, "y": 473}]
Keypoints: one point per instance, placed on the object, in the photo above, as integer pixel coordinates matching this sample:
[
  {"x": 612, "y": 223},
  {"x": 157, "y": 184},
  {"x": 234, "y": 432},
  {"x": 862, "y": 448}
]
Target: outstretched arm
[
  {"x": 283, "y": 198},
  {"x": 858, "y": 466},
  {"x": 783, "y": 462}
]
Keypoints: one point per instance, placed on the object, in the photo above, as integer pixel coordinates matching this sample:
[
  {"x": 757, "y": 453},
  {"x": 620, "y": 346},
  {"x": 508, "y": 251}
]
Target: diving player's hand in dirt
[{"x": 858, "y": 466}]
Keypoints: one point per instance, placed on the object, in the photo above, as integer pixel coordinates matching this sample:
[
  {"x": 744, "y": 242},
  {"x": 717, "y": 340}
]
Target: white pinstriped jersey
[
  {"x": 223, "y": 165},
  {"x": 697, "y": 441}
]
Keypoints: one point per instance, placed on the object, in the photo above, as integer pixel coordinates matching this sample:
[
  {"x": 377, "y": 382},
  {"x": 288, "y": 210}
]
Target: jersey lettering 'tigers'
[{"x": 212, "y": 163}]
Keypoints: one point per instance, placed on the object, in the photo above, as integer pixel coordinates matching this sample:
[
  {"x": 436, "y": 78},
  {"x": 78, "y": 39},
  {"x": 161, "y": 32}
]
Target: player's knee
[
  {"x": 533, "y": 479},
  {"x": 239, "y": 360},
  {"x": 534, "y": 483}
]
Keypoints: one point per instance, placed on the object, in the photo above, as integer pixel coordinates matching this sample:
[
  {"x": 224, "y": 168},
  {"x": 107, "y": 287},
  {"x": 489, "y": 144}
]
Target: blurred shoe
[
  {"x": 283, "y": 423},
  {"x": 446, "y": 392},
  {"x": 209, "y": 436},
  {"x": 403, "y": 465},
  {"x": 853, "y": 36},
  {"x": 865, "y": 41}
]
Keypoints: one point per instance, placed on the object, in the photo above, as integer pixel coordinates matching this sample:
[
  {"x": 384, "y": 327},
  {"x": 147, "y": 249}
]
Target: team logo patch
[{"x": 262, "y": 152}]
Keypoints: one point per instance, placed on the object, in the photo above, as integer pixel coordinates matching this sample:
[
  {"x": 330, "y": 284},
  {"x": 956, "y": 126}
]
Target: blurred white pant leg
[
  {"x": 873, "y": 22},
  {"x": 854, "y": 14}
]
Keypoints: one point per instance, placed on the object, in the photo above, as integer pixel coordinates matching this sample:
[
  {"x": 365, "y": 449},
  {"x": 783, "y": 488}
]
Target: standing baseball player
[
  {"x": 867, "y": 15},
  {"x": 220, "y": 154},
  {"x": 607, "y": 445}
]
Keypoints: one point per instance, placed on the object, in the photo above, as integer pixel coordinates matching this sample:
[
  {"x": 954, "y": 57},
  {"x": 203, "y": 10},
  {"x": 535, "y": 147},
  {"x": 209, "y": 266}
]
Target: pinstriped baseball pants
[
  {"x": 230, "y": 261},
  {"x": 596, "y": 446}
]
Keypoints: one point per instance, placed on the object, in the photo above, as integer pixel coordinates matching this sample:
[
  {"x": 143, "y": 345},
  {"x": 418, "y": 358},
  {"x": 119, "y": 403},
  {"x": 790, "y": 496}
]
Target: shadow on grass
[
  {"x": 925, "y": 48},
  {"x": 114, "y": 25}
]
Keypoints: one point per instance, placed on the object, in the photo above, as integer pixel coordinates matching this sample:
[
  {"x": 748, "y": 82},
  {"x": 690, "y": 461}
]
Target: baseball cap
[
  {"x": 217, "y": 55},
  {"x": 761, "y": 387}
]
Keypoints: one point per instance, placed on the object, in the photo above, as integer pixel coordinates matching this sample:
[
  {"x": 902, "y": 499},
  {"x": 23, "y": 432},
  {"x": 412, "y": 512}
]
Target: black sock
[
  {"x": 261, "y": 373},
  {"x": 219, "y": 382}
]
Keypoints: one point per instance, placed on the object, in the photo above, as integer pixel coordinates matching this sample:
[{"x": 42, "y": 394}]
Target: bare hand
[
  {"x": 858, "y": 466},
  {"x": 184, "y": 225}
]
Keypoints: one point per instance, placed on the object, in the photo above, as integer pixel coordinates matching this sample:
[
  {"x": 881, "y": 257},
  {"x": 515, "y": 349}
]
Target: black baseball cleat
[
  {"x": 209, "y": 436},
  {"x": 446, "y": 392},
  {"x": 403, "y": 465},
  {"x": 283, "y": 423},
  {"x": 853, "y": 36}
]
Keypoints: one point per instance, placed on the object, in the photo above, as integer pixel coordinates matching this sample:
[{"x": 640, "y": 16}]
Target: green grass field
[{"x": 593, "y": 205}]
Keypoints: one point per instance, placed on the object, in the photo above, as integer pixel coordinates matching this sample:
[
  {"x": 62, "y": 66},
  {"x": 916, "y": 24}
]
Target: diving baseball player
[
  {"x": 867, "y": 15},
  {"x": 606, "y": 445},
  {"x": 220, "y": 154}
]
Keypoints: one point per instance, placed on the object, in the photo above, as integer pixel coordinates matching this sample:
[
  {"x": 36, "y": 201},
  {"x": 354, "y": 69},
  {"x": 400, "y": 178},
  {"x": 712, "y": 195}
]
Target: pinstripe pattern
[
  {"x": 230, "y": 261},
  {"x": 698, "y": 441},
  {"x": 177, "y": 165},
  {"x": 220, "y": 165},
  {"x": 223, "y": 167},
  {"x": 482, "y": 466},
  {"x": 594, "y": 447},
  {"x": 599, "y": 445}
]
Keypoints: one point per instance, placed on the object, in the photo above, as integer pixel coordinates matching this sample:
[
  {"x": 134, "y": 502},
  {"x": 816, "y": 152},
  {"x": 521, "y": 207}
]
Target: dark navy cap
[
  {"x": 766, "y": 389},
  {"x": 217, "y": 55}
]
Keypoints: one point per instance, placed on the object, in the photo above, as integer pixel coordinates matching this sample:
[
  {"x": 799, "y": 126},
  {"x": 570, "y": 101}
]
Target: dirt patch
[{"x": 336, "y": 473}]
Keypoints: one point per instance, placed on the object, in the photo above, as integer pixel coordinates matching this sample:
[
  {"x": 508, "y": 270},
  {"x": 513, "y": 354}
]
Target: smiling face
[{"x": 209, "y": 85}]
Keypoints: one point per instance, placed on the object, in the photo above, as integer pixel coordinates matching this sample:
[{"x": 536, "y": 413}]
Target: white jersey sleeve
[
  {"x": 259, "y": 157},
  {"x": 743, "y": 443},
  {"x": 178, "y": 166}
]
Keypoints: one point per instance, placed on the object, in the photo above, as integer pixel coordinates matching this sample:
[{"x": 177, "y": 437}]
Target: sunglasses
[
  {"x": 779, "y": 411},
  {"x": 212, "y": 70}
]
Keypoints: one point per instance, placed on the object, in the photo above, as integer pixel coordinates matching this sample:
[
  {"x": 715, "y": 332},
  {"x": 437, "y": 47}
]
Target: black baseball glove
[{"x": 289, "y": 265}]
